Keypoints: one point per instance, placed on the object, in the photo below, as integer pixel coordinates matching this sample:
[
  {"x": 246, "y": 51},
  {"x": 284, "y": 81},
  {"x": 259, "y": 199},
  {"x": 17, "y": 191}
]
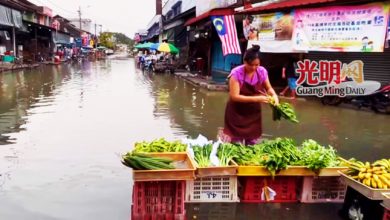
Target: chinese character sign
[
  {"x": 333, "y": 78},
  {"x": 345, "y": 28}
]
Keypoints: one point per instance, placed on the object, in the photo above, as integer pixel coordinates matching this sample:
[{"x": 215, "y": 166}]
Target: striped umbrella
[{"x": 165, "y": 47}]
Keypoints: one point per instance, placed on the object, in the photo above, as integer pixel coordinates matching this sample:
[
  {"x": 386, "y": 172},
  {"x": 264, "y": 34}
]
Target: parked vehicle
[
  {"x": 378, "y": 101},
  {"x": 149, "y": 66}
]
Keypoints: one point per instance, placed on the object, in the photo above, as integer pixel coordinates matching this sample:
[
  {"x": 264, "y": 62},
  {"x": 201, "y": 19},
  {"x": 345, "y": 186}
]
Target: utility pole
[
  {"x": 79, "y": 11},
  {"x": 95, "y": 37}
]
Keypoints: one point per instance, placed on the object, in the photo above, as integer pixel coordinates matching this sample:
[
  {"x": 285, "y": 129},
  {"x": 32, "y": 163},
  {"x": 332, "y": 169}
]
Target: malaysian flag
[{"x": 226, "y": 28}]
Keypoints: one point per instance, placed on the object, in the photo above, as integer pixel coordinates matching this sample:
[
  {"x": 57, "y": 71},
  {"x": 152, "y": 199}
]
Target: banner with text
[
  {"x": 341, "y": 28},
  {"x": 272, "y": 32}
]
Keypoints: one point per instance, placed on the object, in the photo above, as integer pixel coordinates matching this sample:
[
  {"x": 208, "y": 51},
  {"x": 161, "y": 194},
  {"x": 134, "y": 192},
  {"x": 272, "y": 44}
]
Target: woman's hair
[{"x": 252, "y": 53}]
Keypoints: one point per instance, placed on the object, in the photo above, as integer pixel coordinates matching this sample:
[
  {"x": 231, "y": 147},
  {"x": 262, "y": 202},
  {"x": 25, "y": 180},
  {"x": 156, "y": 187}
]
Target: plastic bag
[
  {"x": 199, "y": 141},
  {"x": 268, "y": 194},
  {"x": 213, "y": 156}
]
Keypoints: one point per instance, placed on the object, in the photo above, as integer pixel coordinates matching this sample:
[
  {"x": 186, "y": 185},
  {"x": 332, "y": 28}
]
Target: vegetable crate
[
  {"x": 386, "y": 215},
  {"x": 212, "y": 189},
  {"x": 160, "y": 216},
  {"x": 286, "y": 188},
  {"x": 215, "y": 211},
  {"x": 163, "y": 198},
  {"x": 323, "y": 189}
]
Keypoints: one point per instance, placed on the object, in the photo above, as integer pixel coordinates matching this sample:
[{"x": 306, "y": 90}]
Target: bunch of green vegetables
[
  {"x": 282, "y": 110},
  {"x": 279, "y": 153},
  {"x": 316, "y": 157},
  {"x": 160, "y": 145},
  {"x": 226, "y": 152},
  {"x": 202, "y": 155},
  {"x": 139, "y": 161},
  {"x": 247, "y": 156}
]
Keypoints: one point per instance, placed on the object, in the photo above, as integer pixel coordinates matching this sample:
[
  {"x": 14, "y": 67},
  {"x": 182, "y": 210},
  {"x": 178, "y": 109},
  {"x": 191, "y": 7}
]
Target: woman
[{"x": 248, "y": 87}]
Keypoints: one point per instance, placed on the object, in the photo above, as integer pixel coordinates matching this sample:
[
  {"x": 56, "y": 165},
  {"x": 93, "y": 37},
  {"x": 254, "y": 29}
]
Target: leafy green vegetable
[
  {"x": 160, "y": 145},
  {"x": 279, "y": 153},
  {"x": 202, "y": 155},
  {"x": 225, "y": 153},
  {"x": 282, "y": 110},
  {"x": 248, "y": 156},
  {"x": 316, "y": 157}
]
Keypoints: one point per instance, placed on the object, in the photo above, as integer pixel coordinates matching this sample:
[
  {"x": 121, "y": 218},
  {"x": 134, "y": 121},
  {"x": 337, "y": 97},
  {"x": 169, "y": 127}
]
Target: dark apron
[{"x": 243, "y": 120}]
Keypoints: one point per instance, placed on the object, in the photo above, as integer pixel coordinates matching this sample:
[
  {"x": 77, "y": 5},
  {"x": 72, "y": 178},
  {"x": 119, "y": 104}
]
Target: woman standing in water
[{"x": 248, "y": 87}]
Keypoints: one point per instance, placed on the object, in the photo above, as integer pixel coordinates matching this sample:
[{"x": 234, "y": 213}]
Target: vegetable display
[
  {"x": 139, "y": 161},
  {"x": 282, "y": 110},
  {"x": 316, "y": 157},
  {"x": 279, "y": 153},
  {"x": 202, "y": 155},
  {"x": 375, "y": 175},
  {"x": 225, "y": 154},
  {"x": 160, "y": 145}
]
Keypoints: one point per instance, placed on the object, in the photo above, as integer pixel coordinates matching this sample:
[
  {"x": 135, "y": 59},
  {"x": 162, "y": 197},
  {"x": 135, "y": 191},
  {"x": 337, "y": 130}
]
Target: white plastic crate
[
  {"x": 323, "y": 189},
  {"x": 212, "y": 189}
]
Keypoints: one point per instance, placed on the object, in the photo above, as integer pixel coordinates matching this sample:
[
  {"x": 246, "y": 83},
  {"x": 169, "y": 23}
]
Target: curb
[{"x": 202, "y": 83}]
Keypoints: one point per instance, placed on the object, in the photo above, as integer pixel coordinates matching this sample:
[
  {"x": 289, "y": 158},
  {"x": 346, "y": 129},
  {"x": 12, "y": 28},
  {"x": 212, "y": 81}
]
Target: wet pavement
[{"x": 63, "y": 127}]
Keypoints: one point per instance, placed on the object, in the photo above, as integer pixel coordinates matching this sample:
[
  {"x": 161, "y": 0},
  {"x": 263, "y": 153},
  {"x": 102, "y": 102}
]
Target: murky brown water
[{"x": 62, "y": 128}]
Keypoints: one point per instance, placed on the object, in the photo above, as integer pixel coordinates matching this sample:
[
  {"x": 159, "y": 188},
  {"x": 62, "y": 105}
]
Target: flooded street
[{"x": 63, "y": 127}]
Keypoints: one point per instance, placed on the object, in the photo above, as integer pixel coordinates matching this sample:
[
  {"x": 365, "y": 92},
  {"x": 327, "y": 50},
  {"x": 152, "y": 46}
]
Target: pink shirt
[{"x": 258, "y": 78}]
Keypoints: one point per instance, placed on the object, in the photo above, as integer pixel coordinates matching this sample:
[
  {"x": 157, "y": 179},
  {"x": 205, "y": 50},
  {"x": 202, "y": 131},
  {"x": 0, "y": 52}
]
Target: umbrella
[
  {"x": 138, "y": 46},
  {"x": 147, "y": 45},
  {"x": 168, "y": 48},
  {"x": 154, "y": 46}
]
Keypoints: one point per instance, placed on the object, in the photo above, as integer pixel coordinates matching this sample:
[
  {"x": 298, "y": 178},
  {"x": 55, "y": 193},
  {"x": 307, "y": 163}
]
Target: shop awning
[
  {"x": 285, "y": 4},
  {"x": 221, "y": 11},
  {"x": 17, "y": 19},
  {"x": 10, "y": 17},
  {"x": 5, "y": 16}
]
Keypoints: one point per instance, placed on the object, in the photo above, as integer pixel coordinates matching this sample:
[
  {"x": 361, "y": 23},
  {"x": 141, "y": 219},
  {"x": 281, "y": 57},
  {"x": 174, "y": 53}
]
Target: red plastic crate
[
  {"x": 323, "y": 189},
  {"x": 286, "y": 188},
  {"x": 158, "y": 216},
  {"x": 386, "y": 215},
  {"x": 158, "y": 198}
]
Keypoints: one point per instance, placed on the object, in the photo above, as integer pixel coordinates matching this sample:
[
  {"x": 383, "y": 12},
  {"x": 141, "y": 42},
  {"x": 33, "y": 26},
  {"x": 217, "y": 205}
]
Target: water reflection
[
  {"x": 198, "y": 111},
  {"x": 67, "y": 123},
  {"x": 22, "y": 91}
]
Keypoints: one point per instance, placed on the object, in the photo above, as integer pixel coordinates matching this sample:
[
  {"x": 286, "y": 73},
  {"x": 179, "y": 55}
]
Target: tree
[
  {"x": 123, "y": 39},
  {"x": 106, "y": 40},
  {"x": 110, "y": 39}
]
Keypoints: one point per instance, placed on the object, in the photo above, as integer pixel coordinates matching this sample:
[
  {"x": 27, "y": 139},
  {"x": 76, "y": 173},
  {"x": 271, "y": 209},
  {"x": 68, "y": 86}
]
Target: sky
[{"x": 125, "y": 16}]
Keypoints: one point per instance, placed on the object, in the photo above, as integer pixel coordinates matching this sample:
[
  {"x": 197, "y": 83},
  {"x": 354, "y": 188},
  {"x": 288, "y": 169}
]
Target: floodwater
[{"x": 62, "y": 129}]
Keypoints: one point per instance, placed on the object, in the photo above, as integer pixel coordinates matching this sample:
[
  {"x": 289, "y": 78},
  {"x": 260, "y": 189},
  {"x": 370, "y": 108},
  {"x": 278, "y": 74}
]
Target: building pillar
[{"x": 14, "y": 40}]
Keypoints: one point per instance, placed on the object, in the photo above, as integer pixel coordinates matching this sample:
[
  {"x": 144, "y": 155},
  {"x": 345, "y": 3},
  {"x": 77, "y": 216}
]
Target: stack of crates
[
  {"x": 323, "y": 189},
  {"x": 212, "y": 189},
  {"x": 158, "y": 200},
  {"x": 286, "y": 188}
]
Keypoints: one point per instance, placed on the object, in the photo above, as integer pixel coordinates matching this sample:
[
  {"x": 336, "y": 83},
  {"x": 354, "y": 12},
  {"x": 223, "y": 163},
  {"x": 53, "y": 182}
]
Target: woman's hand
[
  {"x": 276, "y": 98},
  {"x": 262, "y": 98}
]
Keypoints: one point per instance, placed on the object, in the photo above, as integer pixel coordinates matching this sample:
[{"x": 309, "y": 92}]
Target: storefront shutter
[{"x": 376, "y": 65}]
